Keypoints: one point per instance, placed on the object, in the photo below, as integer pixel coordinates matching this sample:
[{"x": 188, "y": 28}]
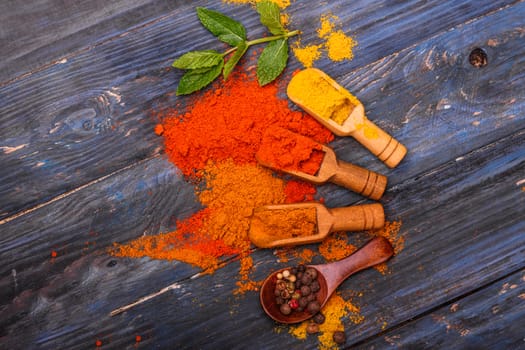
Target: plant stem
[{"x": 265, "y": 40}]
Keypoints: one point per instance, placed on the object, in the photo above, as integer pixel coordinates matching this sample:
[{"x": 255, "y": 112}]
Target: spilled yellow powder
[
  {"x": 327, "y": 25},
  {"x": 281, "y": 3},
  {"x": 340, "y": 46},
  {"x": 335, "y": 42},
  {"x": 336, "y": 247},
  {"x": 307, "y": 55},
  {"x": 335, "y": 309}
]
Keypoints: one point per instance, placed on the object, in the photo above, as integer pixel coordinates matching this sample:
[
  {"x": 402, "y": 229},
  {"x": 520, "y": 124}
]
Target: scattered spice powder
[
  {"x": 338, "y": 45},
  {"x": 284, "y": 150},
  {"x": 335, "y": 309},
  {"x": 215, "y": 145},
  {"x": 336, "y": 247},
  {"x": 308, "y": 54},
  {"x": 268, "y": 225},
  {"x": 302, "y": 256}
]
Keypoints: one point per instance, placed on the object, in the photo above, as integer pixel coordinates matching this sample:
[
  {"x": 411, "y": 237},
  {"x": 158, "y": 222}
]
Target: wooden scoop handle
[
  {"x": 360, "y": 180},
  {"x": 381, "y": 144},
  {"x": 358, "y": 217}
]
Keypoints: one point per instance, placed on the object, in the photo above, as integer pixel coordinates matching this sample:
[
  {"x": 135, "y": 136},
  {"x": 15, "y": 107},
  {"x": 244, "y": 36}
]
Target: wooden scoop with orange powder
[
  {"x": 342, "y": 113},
  {"x": 300, "y": 156},
  {"x": 281, "y": 225}
]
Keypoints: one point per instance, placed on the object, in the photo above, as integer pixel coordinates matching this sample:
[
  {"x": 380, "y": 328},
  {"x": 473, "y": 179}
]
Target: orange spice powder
[{"x": 214, "y": 143}]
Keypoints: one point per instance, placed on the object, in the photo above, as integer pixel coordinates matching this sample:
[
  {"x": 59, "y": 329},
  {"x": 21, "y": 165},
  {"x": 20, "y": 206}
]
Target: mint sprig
[{"x": 203, "y": 67}]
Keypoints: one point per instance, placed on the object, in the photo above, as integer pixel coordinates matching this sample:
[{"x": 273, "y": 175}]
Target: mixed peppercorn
[{"x": 296, "y": 290}]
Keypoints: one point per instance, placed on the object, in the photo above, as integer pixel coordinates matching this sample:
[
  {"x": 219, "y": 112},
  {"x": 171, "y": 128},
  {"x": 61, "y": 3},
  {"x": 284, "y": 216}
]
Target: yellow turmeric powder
[
  {"x": 335, "y": 309},
  {"x": 268, "y": 225},
  {"x": 307, "y": 55},
  {"x": 338, "y": 45},
  {"x": 323, "y": 99}
]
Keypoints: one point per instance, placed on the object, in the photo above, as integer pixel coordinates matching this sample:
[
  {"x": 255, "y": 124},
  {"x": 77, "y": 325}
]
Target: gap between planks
[{"x": 75, "y": 190}]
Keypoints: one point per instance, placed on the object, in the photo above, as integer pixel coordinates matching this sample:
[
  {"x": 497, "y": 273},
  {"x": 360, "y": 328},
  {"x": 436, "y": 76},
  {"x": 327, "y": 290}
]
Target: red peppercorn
[{"x": 294, "y": 304}]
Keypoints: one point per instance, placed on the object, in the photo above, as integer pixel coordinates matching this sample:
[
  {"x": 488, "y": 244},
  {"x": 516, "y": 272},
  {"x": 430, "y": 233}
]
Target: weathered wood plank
[
  {"x": 445, "y": 257},
  {"x": 149, "y": 200},
  {"x": 37, "y": 33},
  {"x": 87, "y": 116},
  {"x": 457, "y": 174},
  {"x": 490, "y": 318}
]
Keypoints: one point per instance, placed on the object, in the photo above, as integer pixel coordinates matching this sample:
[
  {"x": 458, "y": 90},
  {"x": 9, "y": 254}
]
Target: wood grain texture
[
  {"x": 86, "y": 153},
  {"x": 479, "y": 320},
  {"x": 105, "y": 93},
  {"x": 38, "y": 33}
]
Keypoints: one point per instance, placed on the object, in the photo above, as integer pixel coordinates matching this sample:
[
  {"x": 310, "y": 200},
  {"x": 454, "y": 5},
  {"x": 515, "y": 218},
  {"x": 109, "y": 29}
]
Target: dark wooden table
[{"x": 80, "y": 168}]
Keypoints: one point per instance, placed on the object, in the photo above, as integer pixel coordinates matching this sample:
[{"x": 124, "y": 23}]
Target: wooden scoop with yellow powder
[
  {"x": 342, "y": 113},
  {"x": 304, "y": 223}
]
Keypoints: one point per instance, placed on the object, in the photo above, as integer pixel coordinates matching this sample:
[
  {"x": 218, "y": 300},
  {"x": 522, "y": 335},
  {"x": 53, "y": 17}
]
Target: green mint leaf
[
  {"x": 272, "y": 61},
  {"x": 196, "y": 79},
  {"x": 234, "y": 59},
  {"x": 198, "y": 59},
  {"x": 271, "y": 17},
  {"x": 223, "y": 27}
]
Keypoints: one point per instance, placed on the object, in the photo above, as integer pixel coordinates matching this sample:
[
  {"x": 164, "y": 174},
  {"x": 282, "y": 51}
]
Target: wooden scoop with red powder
[{"x": 300, "y": 156}]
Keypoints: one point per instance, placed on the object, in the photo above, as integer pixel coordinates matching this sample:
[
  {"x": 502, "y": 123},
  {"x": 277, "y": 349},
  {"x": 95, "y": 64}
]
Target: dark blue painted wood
[
  {"x": 97, "y": 101},
  {"x": 90, "y": 173}
]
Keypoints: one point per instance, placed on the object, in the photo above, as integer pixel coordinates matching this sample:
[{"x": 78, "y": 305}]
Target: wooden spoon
[
  {"x": 377, "y": 141},
  {"x": 363, "y": 181},
  {"x": 330, "y": 276},
  {"x": 352, "y": 218}
]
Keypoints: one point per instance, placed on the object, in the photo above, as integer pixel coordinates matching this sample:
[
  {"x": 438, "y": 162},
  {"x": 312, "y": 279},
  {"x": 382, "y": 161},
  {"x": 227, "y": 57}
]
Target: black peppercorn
[
  {"x": 312, "y": 328},
  {"x": 285, "y": 309},
  {"x": 313, "y": 307},
  {"x": 312, "y": 272},
  {"x": 303, "y": 302},
  {"x": 339, "y": 337},
  {"x": 311, "y": 297},
  {"x": 319, "y": 318},
  {"x": 305, "y": 291},
  {"x": 306, "y": 279},
  {"x": 279, "y": 301},
  {"x": 315, "y": 287}
]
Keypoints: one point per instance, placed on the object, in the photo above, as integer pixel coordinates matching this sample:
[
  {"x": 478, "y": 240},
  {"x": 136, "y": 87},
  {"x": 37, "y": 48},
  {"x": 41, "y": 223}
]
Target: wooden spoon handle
[
  {"x": 374, "y": 252},
  {"x": 381, "y": 144},
  {"x": 363, "y": 181},
  {"x": 358, "y": 217}
]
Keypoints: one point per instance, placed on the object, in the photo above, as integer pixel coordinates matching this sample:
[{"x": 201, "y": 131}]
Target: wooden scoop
[
  {"x": 352, "y": 218},
  {"x": 363, "y": 181},
  {"x": 377, "y": 141},
  {"x": 329, "y": 276}
]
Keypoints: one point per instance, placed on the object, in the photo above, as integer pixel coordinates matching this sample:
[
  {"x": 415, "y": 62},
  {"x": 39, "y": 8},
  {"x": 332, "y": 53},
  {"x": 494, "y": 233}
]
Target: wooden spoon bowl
[{"x": 329, "y": 276}]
